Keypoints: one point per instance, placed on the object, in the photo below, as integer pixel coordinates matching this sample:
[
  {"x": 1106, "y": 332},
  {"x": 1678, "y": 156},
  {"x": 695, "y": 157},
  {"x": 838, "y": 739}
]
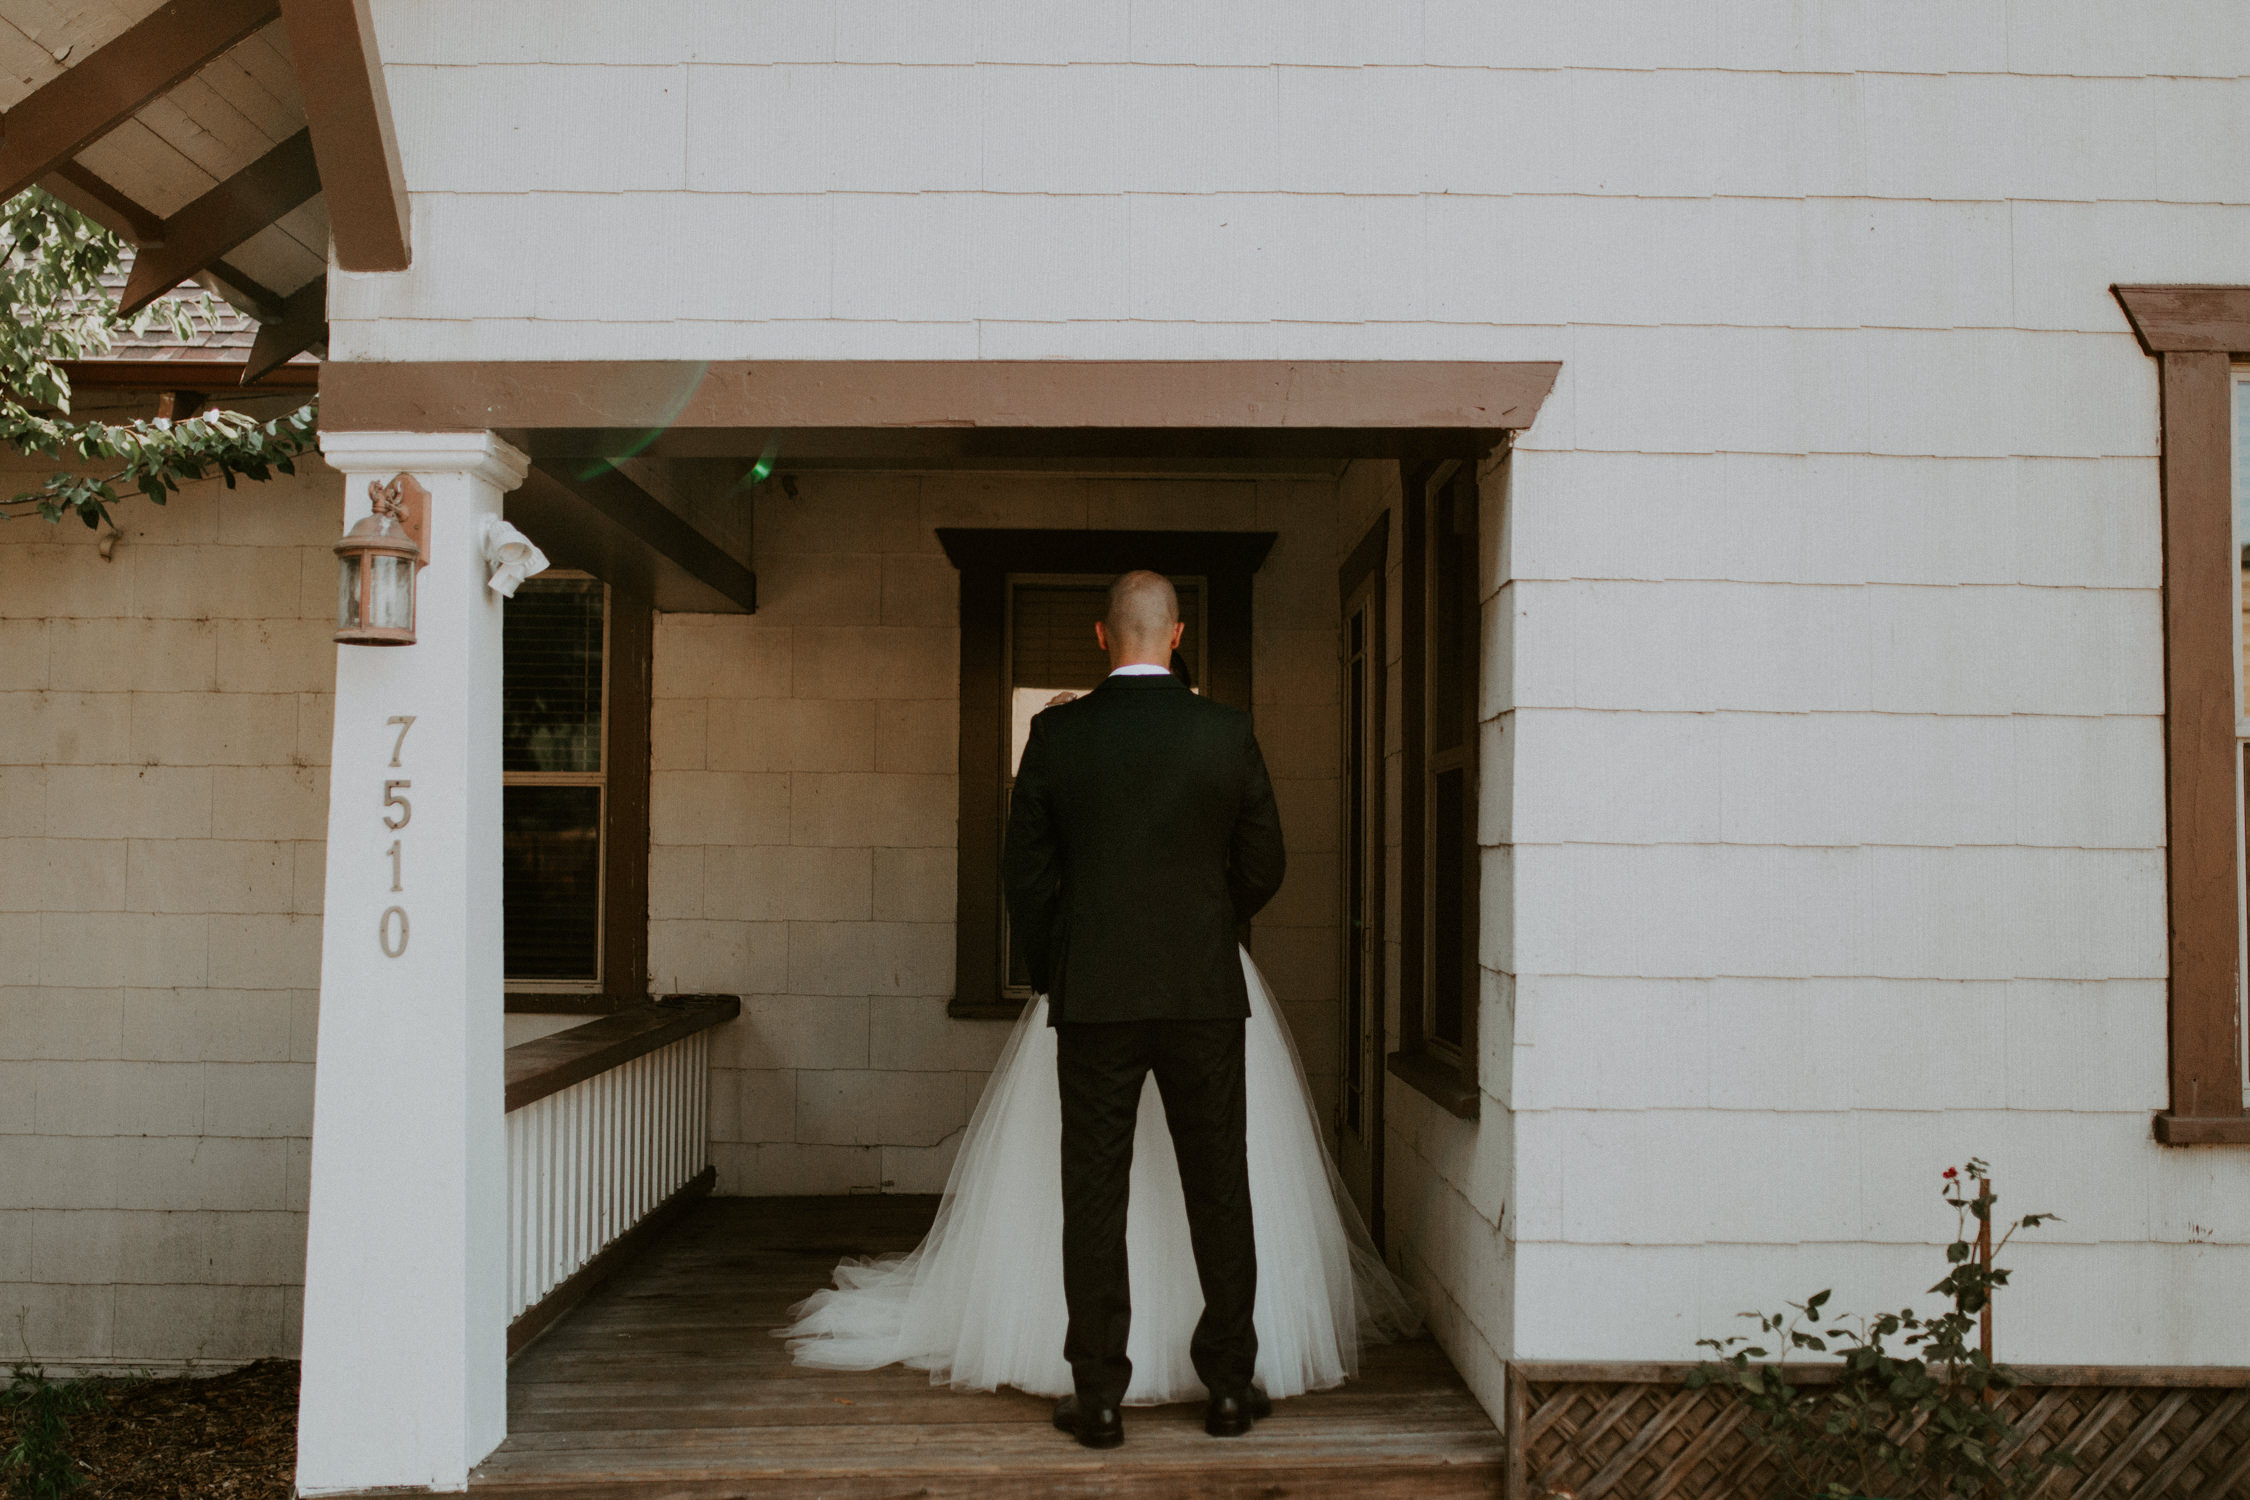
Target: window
[
  {"x": 2196, "y": 333},
  {"x": 553, "y": 696},
  {"x": 1029, "y": 600},
  {"x": 1438, "y": 969},
  {"x": 1050, "y": 649},
  {"x": 574, "y": 752}
]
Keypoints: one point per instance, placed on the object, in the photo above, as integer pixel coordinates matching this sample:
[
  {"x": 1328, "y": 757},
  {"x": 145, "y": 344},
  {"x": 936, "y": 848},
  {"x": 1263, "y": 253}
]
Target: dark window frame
[
  {"x": 629, "y": 621},
  {"x": 1443, "y": 1068},
  {"x": 2196, "y": 334},
  {"x": 1363, "y": 587},
  {"x": 985, "y": 557}
]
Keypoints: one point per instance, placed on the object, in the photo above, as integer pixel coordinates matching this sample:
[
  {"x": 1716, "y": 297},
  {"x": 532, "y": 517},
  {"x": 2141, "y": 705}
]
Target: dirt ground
[{"x": 220, "y": 1437}]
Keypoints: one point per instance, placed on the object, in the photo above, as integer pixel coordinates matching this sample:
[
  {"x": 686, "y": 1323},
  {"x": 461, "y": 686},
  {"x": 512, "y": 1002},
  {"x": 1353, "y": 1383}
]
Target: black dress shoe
[
  {"x": 1093, "y": 1426},
  {"x": 1232, "y": 1416}
]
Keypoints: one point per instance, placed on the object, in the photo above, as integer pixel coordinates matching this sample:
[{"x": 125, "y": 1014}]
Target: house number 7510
[{"x": 392, "y": 929}]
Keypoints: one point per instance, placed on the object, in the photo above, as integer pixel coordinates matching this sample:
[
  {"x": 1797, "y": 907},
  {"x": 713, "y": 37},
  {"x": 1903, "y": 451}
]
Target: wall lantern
[{"x": 377, "y": 561}]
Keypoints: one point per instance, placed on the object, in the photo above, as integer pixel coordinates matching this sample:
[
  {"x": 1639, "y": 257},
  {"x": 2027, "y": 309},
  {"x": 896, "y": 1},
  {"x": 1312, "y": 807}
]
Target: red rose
[{"x": 1950, "y": 1172}]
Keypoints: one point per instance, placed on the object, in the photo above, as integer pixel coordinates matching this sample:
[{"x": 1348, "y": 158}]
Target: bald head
[{"x": 1142, "y": 623}]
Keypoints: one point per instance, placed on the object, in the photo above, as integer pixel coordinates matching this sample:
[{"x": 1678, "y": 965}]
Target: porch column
[{"x": 405, "y": 1339}]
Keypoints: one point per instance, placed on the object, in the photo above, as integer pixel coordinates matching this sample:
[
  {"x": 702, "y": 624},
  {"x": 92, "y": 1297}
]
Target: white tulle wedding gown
[{"x": 979, "y": 1303}]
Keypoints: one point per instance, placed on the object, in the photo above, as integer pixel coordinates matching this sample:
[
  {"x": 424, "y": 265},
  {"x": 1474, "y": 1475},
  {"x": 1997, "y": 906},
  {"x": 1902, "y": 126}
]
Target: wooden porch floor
[{"x": 666, "y": 1383}]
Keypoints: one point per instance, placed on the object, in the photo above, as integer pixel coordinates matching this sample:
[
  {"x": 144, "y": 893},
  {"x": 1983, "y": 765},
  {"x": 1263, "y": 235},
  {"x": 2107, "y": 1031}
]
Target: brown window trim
[
  {"x": 985, "y": 558},
  {"x": 625, "y": 811},
  {"x": 1448, "y": 1076},
  {"x": 2195, "y": 333}
]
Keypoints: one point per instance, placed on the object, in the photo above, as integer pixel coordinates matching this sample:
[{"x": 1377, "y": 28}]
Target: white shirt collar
[{"x": 1142, "y": 669}]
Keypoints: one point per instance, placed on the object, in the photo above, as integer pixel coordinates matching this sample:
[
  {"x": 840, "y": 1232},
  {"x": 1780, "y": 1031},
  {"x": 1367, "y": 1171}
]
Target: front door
[{"x": 1359, "y": 1122}]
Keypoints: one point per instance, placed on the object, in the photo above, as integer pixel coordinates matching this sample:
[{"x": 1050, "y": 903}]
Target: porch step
[
  {"x": 667, "y": 1383},
  {"x": 1295, "y": 1457}
]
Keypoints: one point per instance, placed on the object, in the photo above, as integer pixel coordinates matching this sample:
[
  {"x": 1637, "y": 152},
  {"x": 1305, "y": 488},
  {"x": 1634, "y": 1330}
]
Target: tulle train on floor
[{"x": 979, "y": 1303}]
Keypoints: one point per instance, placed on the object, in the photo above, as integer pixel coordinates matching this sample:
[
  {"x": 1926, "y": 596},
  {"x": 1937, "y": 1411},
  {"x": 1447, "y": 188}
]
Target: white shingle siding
[
  {"x": 163, "y": 811},
  {"x": 1822, "y": 765}
]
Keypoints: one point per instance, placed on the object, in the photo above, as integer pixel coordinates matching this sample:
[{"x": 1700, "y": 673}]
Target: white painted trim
[
  {"x": 479, "y": 455},
  {"x": 405, "y": 1331}
]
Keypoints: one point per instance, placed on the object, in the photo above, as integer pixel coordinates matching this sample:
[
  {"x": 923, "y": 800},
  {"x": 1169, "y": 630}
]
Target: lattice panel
[{"x": 1657, "y": 1440}]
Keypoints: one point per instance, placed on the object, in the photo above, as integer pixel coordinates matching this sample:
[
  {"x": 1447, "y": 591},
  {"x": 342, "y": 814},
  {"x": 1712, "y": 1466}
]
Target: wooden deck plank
[{"x": 668, "y": 1382}]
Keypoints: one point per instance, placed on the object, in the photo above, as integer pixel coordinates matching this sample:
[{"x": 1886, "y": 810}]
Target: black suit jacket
[{"x": 1143, "y": 830}]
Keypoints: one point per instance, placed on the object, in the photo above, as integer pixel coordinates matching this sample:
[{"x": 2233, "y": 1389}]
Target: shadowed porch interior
[{"x": 667, "y": 1382}]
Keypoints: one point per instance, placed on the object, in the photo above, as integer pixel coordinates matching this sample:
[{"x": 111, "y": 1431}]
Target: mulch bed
[{"x": 218, "y": 1437}]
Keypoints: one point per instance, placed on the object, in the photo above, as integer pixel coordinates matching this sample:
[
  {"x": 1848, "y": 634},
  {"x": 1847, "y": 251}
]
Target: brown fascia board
[
  {"x": 91, "y": 98},
  {"x": 193, "y": 239},
  {"x": 2188, "y": 319},
  {"x": 348, "y": 109},
  {"x": 790, "y": 395}
]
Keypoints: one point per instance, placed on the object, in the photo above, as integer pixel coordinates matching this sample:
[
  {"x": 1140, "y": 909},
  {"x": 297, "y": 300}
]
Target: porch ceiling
[
  {"x": 226, "y": 139},
  {"x": 611, "y": 441}
]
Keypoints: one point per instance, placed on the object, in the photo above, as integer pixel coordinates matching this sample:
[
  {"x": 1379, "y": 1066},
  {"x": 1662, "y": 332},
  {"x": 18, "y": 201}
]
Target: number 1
[{"x": 393, "y": 853}]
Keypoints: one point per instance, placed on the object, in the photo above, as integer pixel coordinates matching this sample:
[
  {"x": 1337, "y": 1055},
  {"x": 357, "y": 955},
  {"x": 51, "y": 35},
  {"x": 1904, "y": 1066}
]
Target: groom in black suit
[{"x": 1143, "y": 832}]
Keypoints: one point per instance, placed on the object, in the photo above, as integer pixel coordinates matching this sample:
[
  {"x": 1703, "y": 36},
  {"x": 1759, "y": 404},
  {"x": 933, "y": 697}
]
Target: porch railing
[{"x": 608, "y": 1141}]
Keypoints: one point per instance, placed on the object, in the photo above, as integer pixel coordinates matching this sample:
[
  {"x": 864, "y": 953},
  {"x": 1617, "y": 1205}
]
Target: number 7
[{"x": 404, "y": 723}]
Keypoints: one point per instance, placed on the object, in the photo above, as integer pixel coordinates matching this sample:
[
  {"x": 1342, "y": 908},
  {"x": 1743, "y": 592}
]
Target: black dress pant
[{"x": 1198, "y": 1067}]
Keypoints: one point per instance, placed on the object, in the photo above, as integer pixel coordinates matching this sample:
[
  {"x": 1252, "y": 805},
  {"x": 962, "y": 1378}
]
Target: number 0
[{"x": 392, "y": 948}]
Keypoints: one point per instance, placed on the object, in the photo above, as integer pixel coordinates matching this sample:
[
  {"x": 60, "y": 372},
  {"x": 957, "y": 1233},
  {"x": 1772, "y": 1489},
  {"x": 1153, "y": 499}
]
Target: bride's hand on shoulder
[{"x": 1061, "y": 698}]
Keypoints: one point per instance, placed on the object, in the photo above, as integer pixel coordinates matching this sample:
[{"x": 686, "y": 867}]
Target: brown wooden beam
[
  {"x": 1289, "y": 450},
  {"x": 657, "y": 527},
  {"x": 348, "y": 109},
  {"x": 109, "y": 206},
  {"x": 91, "y": 98},
  {"x": 224, "y": 280},
  {"x": 206, "y": 376},
  {"x": 304, "y": 323},
  {"x": 104, "y": 203},
  {"x": 195, "y": 237},
  {"x": 654, "y": 396}
]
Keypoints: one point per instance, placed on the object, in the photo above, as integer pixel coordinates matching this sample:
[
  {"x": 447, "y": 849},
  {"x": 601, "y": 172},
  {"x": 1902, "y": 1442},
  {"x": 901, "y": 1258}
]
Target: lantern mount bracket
[{"x": 405, "y": 501}]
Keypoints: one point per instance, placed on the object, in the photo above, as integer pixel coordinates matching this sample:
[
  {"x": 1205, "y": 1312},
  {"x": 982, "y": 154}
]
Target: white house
[{"x": 1724, "y": 516}]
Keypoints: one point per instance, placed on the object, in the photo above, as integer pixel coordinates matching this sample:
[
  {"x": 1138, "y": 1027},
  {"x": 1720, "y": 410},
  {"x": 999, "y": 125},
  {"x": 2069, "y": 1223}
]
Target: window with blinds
[
  {"x": 1440, "y": 671},
  {"x": 554, "y": 689},
  {"x": 1050, "y": 649}
]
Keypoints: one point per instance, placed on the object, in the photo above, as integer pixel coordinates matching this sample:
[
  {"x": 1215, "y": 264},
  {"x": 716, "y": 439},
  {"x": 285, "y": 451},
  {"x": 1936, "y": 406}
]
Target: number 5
[{"x": 391, "y": 798}]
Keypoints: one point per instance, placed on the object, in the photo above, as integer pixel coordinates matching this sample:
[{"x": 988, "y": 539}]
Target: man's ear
[
  {"x": 1101, "y": 637},
  {"x": 1178, "y": 631}
]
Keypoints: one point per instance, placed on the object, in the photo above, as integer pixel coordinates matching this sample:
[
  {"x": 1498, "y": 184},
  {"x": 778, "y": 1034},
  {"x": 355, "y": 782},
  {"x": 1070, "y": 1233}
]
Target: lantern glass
[
  {"x": 391, "y": 579},
  {"x": 347, "y": 593}
]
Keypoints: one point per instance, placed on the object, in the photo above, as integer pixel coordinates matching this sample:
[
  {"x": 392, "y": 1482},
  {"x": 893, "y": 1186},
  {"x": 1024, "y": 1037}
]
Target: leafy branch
[
  {"x": 1916, "y": 1401},
  {"x": 51, "y": 273}
]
